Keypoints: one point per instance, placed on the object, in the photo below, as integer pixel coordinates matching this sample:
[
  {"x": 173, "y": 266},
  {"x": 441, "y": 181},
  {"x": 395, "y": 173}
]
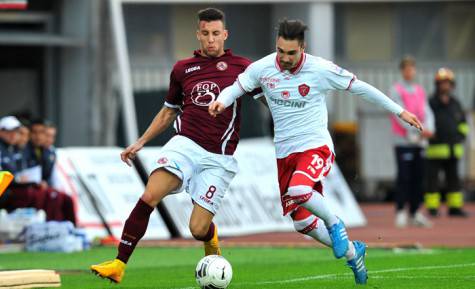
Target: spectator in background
[
  {"x": 37, "y": 140},
  {"x": 33, "y": 151},
  {"x": 409, "y": 146},
  {"x": 50, "y": 136},
  {"x": 48, "y": 158},
  {"x": 20, "y": 145},
  {"x": 23, "y": 136},
  {"x": 26, "y": 162},
  {"x": 446, "y": 147},
  {"x": 41, "y": 149},
  {"x": 57, "y": 204},
  {"x": 9, "y": 127}
]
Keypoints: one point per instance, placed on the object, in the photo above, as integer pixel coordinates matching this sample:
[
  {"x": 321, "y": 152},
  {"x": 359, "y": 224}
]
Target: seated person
[
  {"x": 9, "y": 126},
  {"x": 25, "y": 159}
]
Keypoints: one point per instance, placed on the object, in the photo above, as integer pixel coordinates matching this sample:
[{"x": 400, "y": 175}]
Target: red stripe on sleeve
[{"x": 351, "y": 83}]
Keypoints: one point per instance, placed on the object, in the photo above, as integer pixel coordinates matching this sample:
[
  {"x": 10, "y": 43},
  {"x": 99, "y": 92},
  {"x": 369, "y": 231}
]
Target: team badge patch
[
  {"x": 285, "y": 94},
  {"x": 304, "y": 89},
  {"x": 222, "y": 66},
  {"x": 162, "y": 161}
]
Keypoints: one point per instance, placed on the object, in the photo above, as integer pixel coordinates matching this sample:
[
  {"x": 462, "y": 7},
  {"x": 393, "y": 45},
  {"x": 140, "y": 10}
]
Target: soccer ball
[{"x": 213, "y": 272}]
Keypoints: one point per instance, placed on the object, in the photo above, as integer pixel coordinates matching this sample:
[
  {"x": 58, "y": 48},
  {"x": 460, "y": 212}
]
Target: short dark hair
[
  {"x": 292, "y": 30},
  {"x": 407, "y": 60},
  {"x": 49, "y": 124},
  {"x": 41, "y": 121},
  {"x": 37, "y": 121},
  {"x": 211, "y": 14}
]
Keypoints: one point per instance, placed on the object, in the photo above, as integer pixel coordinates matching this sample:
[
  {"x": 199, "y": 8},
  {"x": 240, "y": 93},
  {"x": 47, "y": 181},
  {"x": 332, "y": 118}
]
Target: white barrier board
[
  {"x": 252, "y": 204},
  {"x": 115, "y": 186}
]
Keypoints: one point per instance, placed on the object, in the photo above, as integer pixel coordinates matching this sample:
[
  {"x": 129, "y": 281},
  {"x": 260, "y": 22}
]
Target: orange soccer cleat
[
  {"x": 112, "y": 270},
  {"x": 212, "y": 246},
  {"x": 5, "y": 180}
]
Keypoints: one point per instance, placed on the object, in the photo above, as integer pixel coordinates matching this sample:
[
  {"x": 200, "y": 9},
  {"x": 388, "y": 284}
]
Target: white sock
[
  {"x": 317, "y": 205},
  {"x": 320, "y": 233},
  {"x": 351, "y": 253}
]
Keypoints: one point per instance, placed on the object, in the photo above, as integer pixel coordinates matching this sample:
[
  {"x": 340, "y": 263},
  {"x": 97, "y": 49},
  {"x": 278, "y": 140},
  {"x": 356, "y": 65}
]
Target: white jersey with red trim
[{"x": 296, "y": 99}]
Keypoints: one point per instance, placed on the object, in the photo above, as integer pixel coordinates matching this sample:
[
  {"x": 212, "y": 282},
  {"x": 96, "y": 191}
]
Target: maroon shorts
[{"x": 57, "y": 205}]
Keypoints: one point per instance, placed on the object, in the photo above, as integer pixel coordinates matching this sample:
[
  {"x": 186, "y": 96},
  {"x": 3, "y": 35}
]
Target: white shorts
[{"x": 205, "y": 176}]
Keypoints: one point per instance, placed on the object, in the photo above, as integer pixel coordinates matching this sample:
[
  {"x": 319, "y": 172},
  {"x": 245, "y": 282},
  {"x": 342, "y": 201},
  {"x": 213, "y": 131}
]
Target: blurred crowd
[
  {"x": 428, "y": 160},
  {"x": 27, "y": 151}
]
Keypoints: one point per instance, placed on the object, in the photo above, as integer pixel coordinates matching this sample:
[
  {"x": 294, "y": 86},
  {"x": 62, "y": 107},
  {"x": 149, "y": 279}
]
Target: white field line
[
  {"x": 423, "y": 277},
  {"x": 371, "y": 273}
]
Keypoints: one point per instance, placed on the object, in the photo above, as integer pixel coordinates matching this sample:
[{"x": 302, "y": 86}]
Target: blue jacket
[{"x": 8, "y": 158}]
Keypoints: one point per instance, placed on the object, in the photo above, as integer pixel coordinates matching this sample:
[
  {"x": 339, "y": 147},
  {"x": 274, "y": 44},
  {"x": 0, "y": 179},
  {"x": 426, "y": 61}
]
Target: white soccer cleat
[
  {"x": 401, "y": 219},
  {"x": 419, "y": 220}
]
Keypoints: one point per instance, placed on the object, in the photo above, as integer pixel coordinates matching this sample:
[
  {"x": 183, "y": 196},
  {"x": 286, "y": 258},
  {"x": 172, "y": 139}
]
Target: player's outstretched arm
[
  {"x": 372, "y": 94},
  {"x": 162, "y": 121},
  {"x": 216, "y": 108},
  {"x": 227, "y": 97},
  {"x": 411, "y": 119}
]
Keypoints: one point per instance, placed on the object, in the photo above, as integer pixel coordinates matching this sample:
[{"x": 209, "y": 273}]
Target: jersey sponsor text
[{"x": 288, "y": 103}]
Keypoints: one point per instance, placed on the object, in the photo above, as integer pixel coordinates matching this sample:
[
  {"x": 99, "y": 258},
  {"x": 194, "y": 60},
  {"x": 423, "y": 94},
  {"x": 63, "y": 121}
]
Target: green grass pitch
[{"x": 262, "y": 268}]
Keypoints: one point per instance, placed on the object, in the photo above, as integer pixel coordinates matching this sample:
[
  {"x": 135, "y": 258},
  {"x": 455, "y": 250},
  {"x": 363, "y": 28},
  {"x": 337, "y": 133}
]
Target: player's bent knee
[
  {"x": 199, "y": 231},
  {"x": 304, "y": 221},
  {"x": 150, "y": 199},
  {"x": 306, "y": 225},
  {"x": 299, "y": 194}
]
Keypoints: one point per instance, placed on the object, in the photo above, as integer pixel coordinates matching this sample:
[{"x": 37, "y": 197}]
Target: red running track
[{"x": 380, "y": 232}]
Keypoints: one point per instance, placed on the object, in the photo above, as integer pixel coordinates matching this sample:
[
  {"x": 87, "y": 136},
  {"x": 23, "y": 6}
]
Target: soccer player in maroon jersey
[{"x": 199, "y": 158}]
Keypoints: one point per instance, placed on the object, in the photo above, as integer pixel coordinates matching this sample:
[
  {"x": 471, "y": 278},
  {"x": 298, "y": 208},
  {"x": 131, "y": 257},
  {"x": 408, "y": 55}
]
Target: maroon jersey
[{"x": 196, "y": 82}]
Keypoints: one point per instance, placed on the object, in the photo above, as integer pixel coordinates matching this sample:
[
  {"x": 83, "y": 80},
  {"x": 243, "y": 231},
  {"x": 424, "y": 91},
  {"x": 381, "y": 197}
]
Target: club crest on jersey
[
  {"x": 162, "y": 161},
  {"x": 222, "y": 66},
  {"x": 304, "y": 89},
  {"x": 285, "y": 94},
  {"x": 204, "y": 93}
]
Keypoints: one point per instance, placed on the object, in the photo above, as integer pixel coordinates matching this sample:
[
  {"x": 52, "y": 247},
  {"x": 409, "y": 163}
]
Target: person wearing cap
[
  {"x": 9, "y": 123},
  {"x": 9, "y": 126},
  {"x": 446, "y": 147},
  {"x": 17, "y": 157},
  {"x": 409, "y": 146}
]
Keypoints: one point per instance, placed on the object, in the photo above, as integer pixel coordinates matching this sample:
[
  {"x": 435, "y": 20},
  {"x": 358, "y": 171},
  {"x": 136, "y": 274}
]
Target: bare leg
[
  {"x": 160, "y": 183},
  {"x": 203, "y": 229}
]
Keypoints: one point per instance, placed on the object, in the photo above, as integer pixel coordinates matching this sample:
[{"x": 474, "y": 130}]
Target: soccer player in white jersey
[{"x": 295, "y": 85}]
